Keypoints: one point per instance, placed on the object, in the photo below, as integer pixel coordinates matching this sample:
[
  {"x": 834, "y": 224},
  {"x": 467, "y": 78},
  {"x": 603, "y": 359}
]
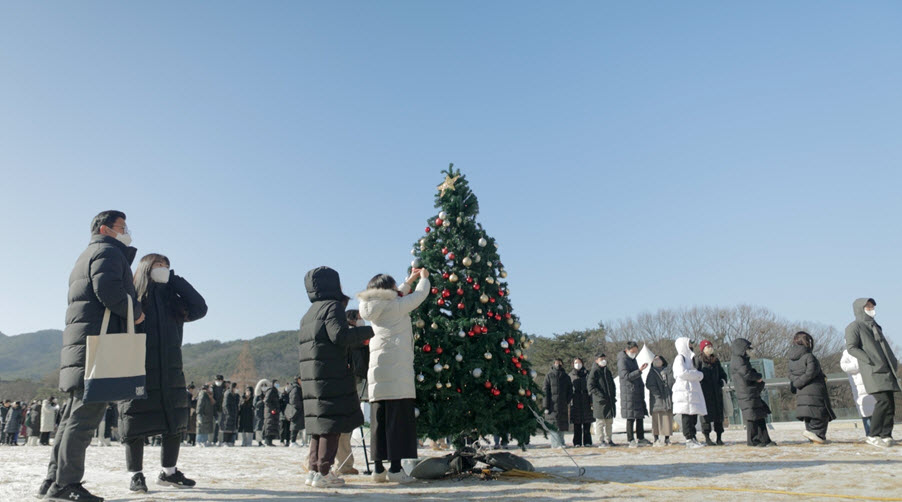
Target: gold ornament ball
[
  {"x": 421, "y": 323},
  {"x": 434, "y": 326},
  {"x": 479, "y": 311},
  {"x": 522, "y": 392},
  {"x": 453, "y": 278},
  {"x": 438, "y": 385},
  {"x": 503, "y": 274},
  {"x": 489, "y": 264},
  {"x": 510, "y": 322},
  {"x": 459, "y": 220},
  {"x": 516, "y": 325},
  {"x": 448, "y": 384},
  {"x": 484, "y": 298},
  {"x": 490, "y": 280},
  {"x": 468, "y": 261},
  {"x": 446, "y": 366},
  {"x": 477, "y": 258}
]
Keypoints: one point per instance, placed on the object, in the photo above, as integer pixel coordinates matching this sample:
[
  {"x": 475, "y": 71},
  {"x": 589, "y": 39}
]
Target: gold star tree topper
[{"x": 448, "y": 184}]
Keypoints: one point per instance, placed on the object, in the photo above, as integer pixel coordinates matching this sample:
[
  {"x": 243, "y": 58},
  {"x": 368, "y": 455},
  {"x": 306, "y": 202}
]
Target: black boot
[
  {"x": 708, "y": 439},
  {"x": 138, "y": 484},
  {"x": 719, "y": 441}
]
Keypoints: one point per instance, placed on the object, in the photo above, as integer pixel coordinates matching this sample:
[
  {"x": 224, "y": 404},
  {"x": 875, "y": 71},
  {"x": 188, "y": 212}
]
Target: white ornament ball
[
  {"x": 421, "y": 377},
  {"x": 443, "y": 215},
  {"x": 462, "y": 334},
  {"x": 489, "y": 264},
  {"x": 437, "y": 368},
  {"x": 521, "y": 392},
  {"x": 479, "y": 311},
  {"x": 533, "y": 397},
  {"x": 496, "y": 245},
  {"x": 482, "y": 242},
  {"x": 510, "y": 378},
  {"x": 448, "y": 385},
  {"x": 518, "y": 353},
  {"x": 458, "y": 358},
  {"x": 487, "y": 355},
  {"x": 438, "y": 385},
  {"x": 477, "y": 258},
  {"x": 413, "y": 251},
  {"x": 416, "y": 263},
  {"x": 503, "y": 274},
  {"x": 477, "y": 372},
  {"x": 446, "y": 223},
  {"x": 445, "y": 367},
  {"x": 504, "y": 344},
  {"x": 532, "y": 373},
  {"x": 510, "y": 322},
  {"x": 416, "y": 412},
  {"x": 516, "y": 325}
]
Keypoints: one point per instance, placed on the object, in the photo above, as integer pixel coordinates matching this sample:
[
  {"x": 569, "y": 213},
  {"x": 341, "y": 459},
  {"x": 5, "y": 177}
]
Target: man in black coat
[
  {"x": 294, "y": 411},
  {"x": 219, "y": 389},
  {"x": 271, "y": 411},
  {"x": 712, "y": 388},
  {"x": 558, "y": 393},
  {"x": 604, "y": 399},
  {"x": 229, "y": 424},
  {"x": 632, "y": 394},
  {"x": 748, "y": 384},
  {"x": 100, "y": 280}
]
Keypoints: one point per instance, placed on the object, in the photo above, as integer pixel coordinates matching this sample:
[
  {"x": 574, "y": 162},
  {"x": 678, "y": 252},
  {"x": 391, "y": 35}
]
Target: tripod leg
[{"x": 365, "y": 456}]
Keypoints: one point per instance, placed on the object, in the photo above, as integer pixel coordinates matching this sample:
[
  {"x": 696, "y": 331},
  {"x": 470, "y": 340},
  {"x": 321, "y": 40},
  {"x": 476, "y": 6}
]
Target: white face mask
[
  {"x": 603, "y": 363},
  {"x": 219, "y": 382},
  {"x": 361, "y": 323},
  {"x": 578, "y": 366},
  {"x": 160, "y": 275},
  {"x": 632, "y": 354},
  {"x": 124, "y": 238},
  {"x": 870, "y": 312}
]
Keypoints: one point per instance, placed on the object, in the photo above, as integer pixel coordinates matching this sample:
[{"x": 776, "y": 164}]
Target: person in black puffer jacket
[
  {"x": 581, "y": 405},
  {"x": 271, "y": 410},
  {"x": 809, "y": 383},
  {"x": 331, "y": 404},
  {"x": 294, "y": 412},
  {"x": 712, "y": 388},
  {"x": 229, "y": 419},
  {"x": 659, "y": 383},
  {"x": 558, "y": 392},
  {"x": 604, "y": 400},
  {"x": 749, "y": 384},
  {"x": 100, "y": 280},
  {"x": 632, "y": 394},
  {"x": 246, "y": 417}
]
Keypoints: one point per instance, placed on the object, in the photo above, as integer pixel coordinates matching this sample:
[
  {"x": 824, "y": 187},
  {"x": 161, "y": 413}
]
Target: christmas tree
[{"x": 473, "y": 377}]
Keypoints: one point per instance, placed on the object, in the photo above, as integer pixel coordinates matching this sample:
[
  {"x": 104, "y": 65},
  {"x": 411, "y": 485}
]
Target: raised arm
[{"x": 194, "y": 302}]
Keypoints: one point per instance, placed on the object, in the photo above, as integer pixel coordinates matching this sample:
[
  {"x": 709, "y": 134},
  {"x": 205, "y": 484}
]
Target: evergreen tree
[{"x": 473, "y": 376}]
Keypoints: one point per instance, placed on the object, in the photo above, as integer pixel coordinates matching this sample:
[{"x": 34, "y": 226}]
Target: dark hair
[
  {"x": 804, "y": 339},
  {"x": 106, "y": 218},
  {"x": 579, "y": 359},
  {"x": 599, "y": 356},
  {"x": 382, "y": 281},
  {"x": 220, "y": 377},
  {"x": 234, "y": 384},
  {"x": 631, "y": 344},
  {"x": 556, "y": 359},
  {"x": 274, "y": 381},
  {"x": 351, "y": 314}
]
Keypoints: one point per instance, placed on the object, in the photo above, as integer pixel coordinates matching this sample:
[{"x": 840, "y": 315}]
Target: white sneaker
[
  {"x": 634, "y": 444},
  {"x": 693, "y": 443},
  {"x": 888, "y": 441},
  {"x": 603, "y": 445},
  {"x": 875, "y": 441},
  {"x": 814, "y": 438},
  {"x": 658, "y": 443},
  {"x": 294, "y": 444},
  {"x": 400, "y": 477},
  {"x": 309, "y": 480},
  {"x": 328, "y": 481},
  {"x": 380, "y": 477}
]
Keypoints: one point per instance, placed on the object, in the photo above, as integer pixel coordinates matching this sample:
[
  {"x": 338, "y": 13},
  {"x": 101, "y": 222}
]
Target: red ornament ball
[
  {"x": 458, "y": 390},
  {"x": 427, "y": 348},
  {"x": 438, "y": 222},
  {"x": 445, "y": 275},
  {"x": 500, "y": 292},
  {"x": 507, "y": 351},
  {"x": 476, "y": 287},
  {"x": 434, "y": 291},
  {"x": 507, "y": 316},
  {"x": 528, "y": 393},
  {"x": 469, "y": 280},
  {"x": 428, "y": 229},
  {"x": 519, "y": 406},
  {"x": 497, "y": 317},
  {"x": 441, "y": 302},
  {"x": 515, "y": 360},
  {"x": 488, "y": 384},
  {"x": 510, "y": 341},
  {"x": 439, "y": 350},
  {"x": 491, "y": 300},
  {"x": 489, "y": 314},
  {"x": 471, "y": 333},
  {"x": 461, "y": 306},
  {"x": 518, "y": 365},
  {"x": 460, "y": 291},
  {"x": 444, "y": 250},
  {"x": 524, "y": 372},
  {"x": 485, "y": 330},
  {"x": 496, "y": 392},
  {"x": 451, "y": 256},
  {"x": 445, "y": 293}
]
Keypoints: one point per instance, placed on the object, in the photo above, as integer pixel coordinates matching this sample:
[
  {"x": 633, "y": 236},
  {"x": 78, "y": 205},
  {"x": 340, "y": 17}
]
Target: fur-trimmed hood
[
  {"x": 374, "y": 302},
  {"x": 262, "y": 386}
]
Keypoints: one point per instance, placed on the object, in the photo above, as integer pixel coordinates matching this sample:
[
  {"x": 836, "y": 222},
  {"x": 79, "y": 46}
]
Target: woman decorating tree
[{"x": 391, "y": 388}]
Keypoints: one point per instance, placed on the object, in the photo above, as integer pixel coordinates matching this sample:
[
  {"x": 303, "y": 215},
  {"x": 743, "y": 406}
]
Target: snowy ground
[{"x": 846, "y": 467}]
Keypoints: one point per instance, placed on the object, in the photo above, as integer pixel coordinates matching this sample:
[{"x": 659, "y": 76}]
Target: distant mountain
[{"x": 32, "y": 356}]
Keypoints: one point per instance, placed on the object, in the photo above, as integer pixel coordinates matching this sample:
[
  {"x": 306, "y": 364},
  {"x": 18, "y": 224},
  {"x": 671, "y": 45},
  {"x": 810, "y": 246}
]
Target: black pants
[
  {"x": 639, "y": 425},
  {"x": 78, "y": 423},
  {"x": 192, "y": 438},
  {"x": 294, "y": 434},
  {"x": 285, "y": 431},
  {"x": 817, "y": 426},
  {"x": 134, "y": 452},
  {"x": 884, "y": 414},
  {"x": 708, "y": 425},
  {"x": 582, "y": 434},
  {"x": 229, "y": 437},
  {"x": 394, "y": 429},
  {"x": 756, "y": 432},
  {"x": 688, "y": 425},
  {"x": 45, "y": 438}
]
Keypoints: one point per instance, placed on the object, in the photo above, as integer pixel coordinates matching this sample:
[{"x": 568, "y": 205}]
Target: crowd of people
[
  {"x": 343, "y": 360},
  {"x": 692, "y": 386}
]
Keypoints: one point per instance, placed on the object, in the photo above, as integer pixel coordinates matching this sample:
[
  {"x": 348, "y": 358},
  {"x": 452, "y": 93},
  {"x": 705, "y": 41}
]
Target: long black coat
[
  {"x": 100, "y": 280},
  {"x": 191, "y": 428},
  {"x": 246, "y": 415},
  {"x": 745, "y": 382},
  {"x": 809, "y": 383},
  {"x": 558, "y": 393},
  {"x": 632, "y": 390},
  {"x": 258, "y": 412},
  {"x": 33, "y": 421},
  {"x": 581, "y": 404},
  {"x": 229, "y": 420},
  {"x": 603, "y": 391},
  {"x": 331, "y": 403},
  {"x": 206, "y": 418},
  {"x": 660, "y": 388},
  {"x": 271, "y": 409},
  {"x": 294, "y": 410},
  {"x": 712, "y": 386},
  {"x": 167, "y": 308}
]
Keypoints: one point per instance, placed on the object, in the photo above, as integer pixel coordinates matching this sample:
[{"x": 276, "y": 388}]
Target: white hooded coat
[
  {"x": 48, "y": 416},
  {"x": 863, "y": 400},
  {"x": 688, "y": 398},
  {"x": 390, "y": 375}
]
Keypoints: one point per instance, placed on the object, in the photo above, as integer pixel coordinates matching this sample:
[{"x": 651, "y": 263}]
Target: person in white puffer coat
[
  {"x": 864, "y": 401},
  {"x": 49, "y": 409},
  {"x": 391, "y": 383},
  {"x": 688, "y": 398}
]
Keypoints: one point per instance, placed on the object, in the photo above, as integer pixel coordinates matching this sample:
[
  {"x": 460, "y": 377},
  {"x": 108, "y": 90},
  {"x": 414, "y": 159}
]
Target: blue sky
[{"x": 627, "y": 156}]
